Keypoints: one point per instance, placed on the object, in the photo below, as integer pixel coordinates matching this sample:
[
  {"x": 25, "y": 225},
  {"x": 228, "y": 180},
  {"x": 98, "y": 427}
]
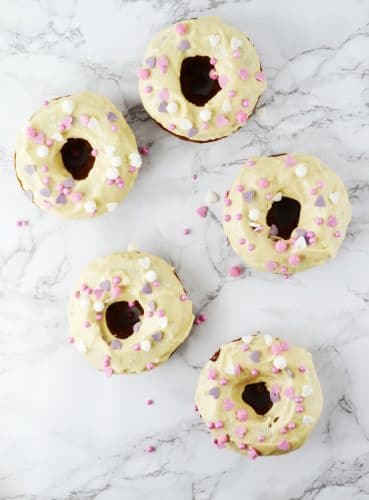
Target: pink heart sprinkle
[
  {"x": 332, "y": 221},
  {"x": 223, "y": 81},
  {"x": 108, "y": 371},
  {"x": 228, "y": 404},
  {"x": 84, "y": 119},
  {"x": 290, "y": 161},
  {"x": 180, "y": 28},
  {"x": 143, "y": 73},
  {"x": 221, "y": 121},
  {"x": 240, "y": 431},
  {"x": 289, "y": 393},
  {"x": 244, "y": 74},
  {"x": 241, "y": 117},
  {"x": 39, "y": 138},
  {"x": 283, "y": 445},
  {"x": 164, "y": 95},
  {"x": 98, "y": 293},
  {"x": 260, "y": 76},
  {"x": 202, "y": 211}
]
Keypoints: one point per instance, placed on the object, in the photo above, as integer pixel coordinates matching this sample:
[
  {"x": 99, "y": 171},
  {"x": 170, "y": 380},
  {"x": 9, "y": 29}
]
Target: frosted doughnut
[
  {"x": 201, "y": 79},
  {"x": 259, "y": 396},
  {"x": 286, "y": 213},
  {"x": 128, "y": 312},
  {"x": 77, "y": 157}
]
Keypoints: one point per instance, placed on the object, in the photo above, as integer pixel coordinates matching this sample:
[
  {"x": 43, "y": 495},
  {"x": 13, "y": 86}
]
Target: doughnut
[
  {"x": 286, "y": 213},
  {"x": 77, "y": 156},
  {"x": 128, "y": 312},
  {"x": 259, "y": 396},
  {"x": 201, "y": 79}
]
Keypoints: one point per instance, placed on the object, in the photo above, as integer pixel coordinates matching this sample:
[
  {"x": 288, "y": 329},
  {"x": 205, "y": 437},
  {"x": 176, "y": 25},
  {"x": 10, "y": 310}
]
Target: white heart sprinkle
[
  {"x": 145, "y": 262},
  {"x": 300, "y": 170},
  {"x": 205, "y": 115},
  {"x": 277, "y": 196},
  {"x": 230, "y": 369},
  {"x": 42, "y": 151},
  {"x": 172, "y": 107},
  {"x": 334, "y": 197},
  {"x": 214, "y": 40},
  {"x": 307, "y": 420},
  {"x": 280, "y": 362},
  {"x": 98, "y": 306},
  {"x": 92, "y": 123},
  {"x": 116, "y": 161},
  {"x": 247, "y": 339},
  {"x": 84, "y": 302},
  {"x": 254, "y": 214},
  {"x": 90, "y": 206},
  {"x": 67, "y": 106},
  {"x": 151, "y": 276},
  {"x": 236, "y": 43},
  {"x": 268, "y": 339},
  {"x": 185, "y": 124},
  {"x": 135, "y": 160},
  {"x": 306, "y": 391},
  {"x": 300, "y": 242},
  {"x": 110, "y": 207},
  {"x": 163, "y": 322},
  {"x": 227, "y": 106},
  {"x": 80, "y": 345},
  {"x": 112, "y": 173},
  {"x": 57, "y": 137},
  {"x": 212, "y": 197},
  {"x": 110, "y": 150},
  {"x": 145, "y": 345}
]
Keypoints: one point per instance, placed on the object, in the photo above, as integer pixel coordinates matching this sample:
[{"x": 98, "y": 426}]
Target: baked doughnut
[
  {"x": 286, "y": 213},
  {"x": 129, "y": 312},
  {"x": 201, "y": 79},
  {"x": 259, "y": 396},
  {"x": 77, "y": 156}
]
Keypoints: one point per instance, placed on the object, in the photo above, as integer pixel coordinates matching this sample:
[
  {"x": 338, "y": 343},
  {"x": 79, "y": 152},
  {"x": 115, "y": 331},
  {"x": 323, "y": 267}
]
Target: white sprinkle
[
  {"x": 151, "y": 276},
  {"x": 300, "y": 242},
  {"x": 247, "y": 339},
  {"x": 110, "y": 150},
  {"x": 236, "y": 43},
  {"x": 110, "y": 207},
  {"x": 205, "y": 115},
  {"x": 185, "y": 124},
  {"x": 214, "y": 40},
  {"x": 277, "y": 196},
  {"x": 145, "y": 262},
  {"x": 230, "y": 369},
  {"x": 98, "y": 306},
  {"x": 80, "y": 345},
  {"x": 254, "y": 214},
  {"x": 306, "y": 391},
  {"x": 227, "y": 106},
  {"x": 67, "y": 106},
  {"x": 90, "y": 206},
  {"x": 268, "y": 339},
  {"x": 92, "y": 123},
  {"x": 135, "y": 160},
  {"x": 212, "y": 197},
  {"x": 300, "y": 170},
  {"x": 57, "y": 137},
  {"x": 145, "y": 345},
  {"x": 163, "y": 322},
  {"x": 307, "y": 420},
  {"x": 172, "y": 107},
  {"x": 112, "y": 173},
  {"x": 42, "y": 151},
  {"x": 116, "y": 161},
  {"x": 280, "y": 362},
  {"x": 334, "y": 197}
]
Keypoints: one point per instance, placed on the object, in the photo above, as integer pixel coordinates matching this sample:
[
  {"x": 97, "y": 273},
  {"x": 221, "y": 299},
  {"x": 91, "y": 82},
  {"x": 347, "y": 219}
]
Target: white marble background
[{"x": 66, "y": 431}]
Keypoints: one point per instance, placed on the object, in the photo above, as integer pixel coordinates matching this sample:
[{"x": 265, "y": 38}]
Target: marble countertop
[{"x": 68, "y": 432}]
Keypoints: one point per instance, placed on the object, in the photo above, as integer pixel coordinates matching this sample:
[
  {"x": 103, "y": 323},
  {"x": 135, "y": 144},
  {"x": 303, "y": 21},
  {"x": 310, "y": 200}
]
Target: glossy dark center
[
  {"x": 285, "y": 216},
  {"x": 257, "y": 396},
  {"x": 121, "y": 318},
  {"x": 196, "y": 84},
  {"x": 77, "y": 158}
]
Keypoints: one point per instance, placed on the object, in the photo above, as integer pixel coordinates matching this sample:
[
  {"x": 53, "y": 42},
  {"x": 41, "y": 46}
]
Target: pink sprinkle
[
  {"x": 223, "y": 81},
  {"x": 245, "y": 103},
  {"x": 299, "y": 409},
  {"x": 218, "y": 424},
  {"x": 337, "y": 234},
  {"x": 290, "y": 161},
  {"x": 46, "y": 180},
  {"x": 155, "y": 284},
  {"x": 332, "y": 221},
  {"x": 298, "y": 399},
  {"x": 94, "y": 153},
  {"x": 294, "y": 260},
  {"x": 242, "y": 415},
  {"x": 228, "y": 404},
  {"x": 271, "y": 266},
  {"x": 136, "y": 347},
  {"x": 107, "y": 360},
  {"x": 116, "y": 280},
  {"x": 263, "y": 183},
  {"x": 235, "y": 272},
  {"x": 114, "y": 127},
  {"x": 223, "y": 381},
  {"x": 240, "y": 188},
  {"x": 275, "y": 370},
  {"x": 84, "y": 119},
  {"x": 150, "y": 449},
  {"x": 144, "y": 150},
  {"x": 251, "y": 453},
  {"x": 245, "y": 348},
  {"x": 186, "y": 231},
  {"x": 238, "y": 216},
  {"x": 115, "y": 292},
  {"x": 108, "y": 371},
  {"x": 227, "y": 217},
  {"x": 291, "y": 426},
  {"x": 242, "y": 241},
  {"x": 250, "y": 163},
  {"x": 244, "y": 74},
  {"x": 45, "y": 102},
  {"x": 213, "y": 60},
  {"x": 183, "y": 297},
  {"x": 49, "y": 142},
  {"x": 241, "y": 117},
  {"x": 149, "y": 402},
  {"x": 202, "y": 211},
  {"x": 99, "y": 317},
  {"x": 236, "y": 54},
  {"x": 162, "y": 63},
  {"x": 143, "y": 73},
  {"x": 227, "y": 202},
  {"x": 180, "y": 28},
  {"x": 318, "y": 221},
  {"x": 164, "y": 94},
  {"x": 232, "y": 93},
  {"x": 76, "y": 196},
  {"x": 150, "y": 366},
  {"x": 210, "y": 425},
  {"x": 251, "y": 247},
  {"x": 213, "y": 75},
  {"x": 31, "y": 132},
  {"x": 241, "y": 446},
  {"x": 280, "y": 246},
  {"x": 70, "y": 340},
  {"x": 67, "y": 191},
  {"x": 221, "y": 121},
  {"x": 261, "y": 438},
  {"x": 148, "y": 89},
  {"x": 204, "y": 125},
  {"x": 302, "y": 369},
  {"x": 212, "y": 374},
  {"x": 87, "y": 324},
  {"x": 171, "y": 126},
  {"x": 44, "y": 169},
  {"x": 260, "y": 76},
  {"x": 283, "y": 445},
  {"x": 313, "y": 191},
  {"x": 283, "y": 430},
  {"x": 254, "y": 372}
]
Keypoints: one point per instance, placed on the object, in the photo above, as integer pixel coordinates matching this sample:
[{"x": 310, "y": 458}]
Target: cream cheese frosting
[
  {"x": 137, "y": 280},
  {"x": 234, "y": 65},
  {"x": 112, "y": 151},
  {"x": 265, "y": 182},
  {"x": 295, "y": 399}
]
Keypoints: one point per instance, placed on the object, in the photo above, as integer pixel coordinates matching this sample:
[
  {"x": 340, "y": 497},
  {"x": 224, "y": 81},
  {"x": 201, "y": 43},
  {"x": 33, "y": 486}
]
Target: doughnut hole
[
  {"x": 121, "y": 317},
  {"x": 77, "y": 158},
  {"x": 258, "y": 397},
  {"x": 196, "y": 84},
  {"x": 284, "y": 215}
]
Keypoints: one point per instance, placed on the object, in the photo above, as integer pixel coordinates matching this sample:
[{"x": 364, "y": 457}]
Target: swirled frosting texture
[
  {"x": 39, "y": 164},
  {"x": 324, "y": 216},
  {"x": 129, "y": 276},
  {"x": 236, "y": 67},
  {"x": 289, "y": 375}
]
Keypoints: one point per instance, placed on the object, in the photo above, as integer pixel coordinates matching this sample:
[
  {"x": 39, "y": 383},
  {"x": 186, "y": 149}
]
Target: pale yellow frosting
[
  {"x": 39, "y": 165},
  {"x": 237, "y": 66},
  {"x": 144, "y": 278},
  {"x": 324, "y": 216},
  {"x": 297, "y": 396}
]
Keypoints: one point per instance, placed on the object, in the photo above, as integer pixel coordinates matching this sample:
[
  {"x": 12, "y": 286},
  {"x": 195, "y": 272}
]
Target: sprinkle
[
  {"x": 294, "y": 260},
  {"x": 221, "y": 121},
  {"x": 260, "y": 76},
  {"x": 280, "y": 362},
  {"x": 283, "y": 445},
  {"x": 300, "y": 170},
  {"x": 254, "y": 214},
  {"x": 254, "y": 372},
  {"x": 212, "y": 374},
  {"x": 245, "y": 103},
  {"x": 280, "y": 246},
  {"x": 223, "y": 82},
  {"x": 67, "y": 106},
  {"x": 261, "y": 438},
  {"x": 290, "y": 161},
  {"x": 255, "y": 356},
  {"x": 214, "y": 40},
  {"x": 263, "y": 183},
  {"x": 218, "y": 424},
  {"x": 186, "y": 231},
  {"x": 212, "y": 197},
  {"x": 202, "y": 211},
  {"x": 143, "y": 73},
  {"x": 162, "y": 63},
  {"x": 235, "y": 272},
  {"x": 251, "y": 453},
  {"x": 150, "y": 449},
  {"x": 215, "y": 392},
  {"x": 242, "y": 415},
  {"x": 244, "y": 74},
  {"x": 184, "y": 45},
  {"x": 42, "y": 151},
  {"x": 332, "y": 221},
  {"x": 180, "y": 28},
  {"x": 334, "y": 197},
  {"x": 320, "y": 202},
  {"x": 228, "y": 404},
  {"x": 241, "y": 117},
  {"x": 248, "y": 196}
]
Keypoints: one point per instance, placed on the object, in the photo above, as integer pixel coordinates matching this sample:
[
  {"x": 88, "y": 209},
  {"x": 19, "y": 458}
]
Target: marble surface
[{"x": 68, "y": 432}]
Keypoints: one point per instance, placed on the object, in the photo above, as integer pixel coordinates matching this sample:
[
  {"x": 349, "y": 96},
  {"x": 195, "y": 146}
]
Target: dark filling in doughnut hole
[
  {"x": 284, "y": 217},
  {"x": 257, "y": 396},
  {"x": 121, "y": 318},
  {"x": 77, "y": 158},
  {"x": 196, "y": 84}
]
